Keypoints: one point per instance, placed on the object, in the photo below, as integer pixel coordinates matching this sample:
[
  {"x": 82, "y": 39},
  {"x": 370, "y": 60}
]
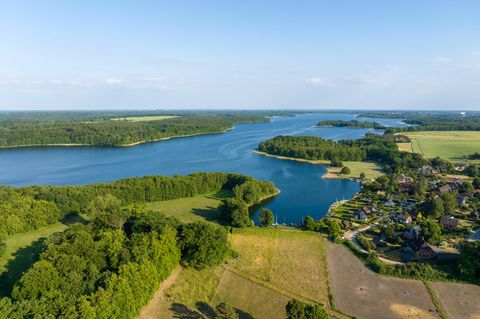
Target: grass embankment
[
  {"x": 454, "y": 146},
  {"x": 273, "y": 266},
  {"x": 144, "y": 118},
  {"x": 370, "y": 169}
]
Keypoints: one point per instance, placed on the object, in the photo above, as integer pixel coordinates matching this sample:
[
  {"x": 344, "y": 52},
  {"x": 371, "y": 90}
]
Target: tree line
[
  {"x": 105, "y": 132},
  {"x": 28, "y": 208},
  {"x": 352, "y": 124}
]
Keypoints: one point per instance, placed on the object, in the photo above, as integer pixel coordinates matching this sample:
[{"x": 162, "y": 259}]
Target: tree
[
  {"x": 434, "y": 208},
  {"x": 309, "y": 223},
  {"x": 225, "y": 311},
  {"x": 336, "y": 162},
  {"x": 266, "y": 217},
  {"x": 469, "y": 262},
  {"x": 476, "y": 182},
  {"x": 420, "y": 188},
  {"x": 362, "y": 175},
  {"x": 449, "y": 202},
  {"x": 234, "y": 212},
  {"x": 295, "y": 309},
  {"x": 431, "y": 231},
  {"x": 103, "y": 204},
  {"x": 3, "y": 246},
  {"x": 203, "y": 244},
  {"x": 345, "y": 170}
]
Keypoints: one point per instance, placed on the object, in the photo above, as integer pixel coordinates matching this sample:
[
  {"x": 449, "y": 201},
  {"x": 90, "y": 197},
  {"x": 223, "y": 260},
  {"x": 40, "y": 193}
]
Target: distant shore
[{"x": 122, "y": 145}]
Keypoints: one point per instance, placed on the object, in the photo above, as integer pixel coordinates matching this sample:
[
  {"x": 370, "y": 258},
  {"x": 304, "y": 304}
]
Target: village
[{"x": 422, "y": 216}]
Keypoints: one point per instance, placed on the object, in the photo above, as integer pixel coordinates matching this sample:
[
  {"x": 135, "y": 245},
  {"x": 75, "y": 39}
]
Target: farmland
[{"x": 454, "y": 146}]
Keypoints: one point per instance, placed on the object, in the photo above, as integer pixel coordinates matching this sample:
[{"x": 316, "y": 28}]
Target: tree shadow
[
  {"x": 73, "y": 218},
  {"x": 22, "y": 259},
  {"x": 206, "y": 309},
  {"x": 243, "y": 315},
  {"x": 209, "y": 213},
  {"x": 183, "y": 312}
]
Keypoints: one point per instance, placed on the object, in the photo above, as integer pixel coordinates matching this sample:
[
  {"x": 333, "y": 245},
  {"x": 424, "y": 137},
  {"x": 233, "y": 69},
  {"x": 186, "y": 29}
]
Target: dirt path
[{"x": 152, "y": 309}]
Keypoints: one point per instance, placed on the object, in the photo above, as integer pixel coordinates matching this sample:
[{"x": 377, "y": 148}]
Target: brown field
[
  {"x": 461, "y": 301},
  {"x": 364, "y": 294}
]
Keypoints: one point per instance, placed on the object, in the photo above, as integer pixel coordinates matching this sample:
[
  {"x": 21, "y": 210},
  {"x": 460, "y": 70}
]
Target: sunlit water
[{"x": 303, "y": 190}]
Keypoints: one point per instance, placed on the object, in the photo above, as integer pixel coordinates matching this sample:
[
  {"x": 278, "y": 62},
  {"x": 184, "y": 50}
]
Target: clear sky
[{"x": 400, "y": 54}]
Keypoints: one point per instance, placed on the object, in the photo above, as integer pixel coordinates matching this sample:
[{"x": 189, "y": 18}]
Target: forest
[
  {"x": 351, "y": 124},
  {"x": 431, "y": 121},
  {"x": 110, "y": 264},
  {"x": 28, "y": 208},
  {"x": 102, "y": 131}
]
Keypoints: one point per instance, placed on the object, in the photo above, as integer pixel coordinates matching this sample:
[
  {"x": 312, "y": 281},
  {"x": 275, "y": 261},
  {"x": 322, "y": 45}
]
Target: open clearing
[
  {"x": 191, "y": 209},
  {"x": 274, "y": 266},
  {"x": 143, "y": 118},
  {"x": 461, "y": 301},
  {"x": 371, "y": 170},
  {"x": 362, "y": 293},
  {"x": 454, "y": 146}
]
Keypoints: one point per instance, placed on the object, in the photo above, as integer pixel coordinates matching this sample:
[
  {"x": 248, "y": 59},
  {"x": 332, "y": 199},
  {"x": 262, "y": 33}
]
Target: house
[
  {"x": 426, "y": 170},
  {"x": 360, "y": 215},
  {"x": 389, "y": 203},
  {"x": 460, "y": 167},
  {"x": 345, "y": 224},
  {"x": 368, "y": 210},
  {"x": 401, "y": 179},
  {"x": 475, "y": 215},
  {"x": 411, "y": 233},
  {"x": 418, "y": 249},
  {"x": 405, "y": 219},
  {"x": 449, "y": 222},
  {"x": 445, "y": 189},
  {"x": 462, "y": 200}
]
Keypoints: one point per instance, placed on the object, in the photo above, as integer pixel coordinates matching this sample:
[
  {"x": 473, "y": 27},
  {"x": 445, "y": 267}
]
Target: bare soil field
[
  {"x": 364, "y": 294},
  {"x": 461, "y": 301}
]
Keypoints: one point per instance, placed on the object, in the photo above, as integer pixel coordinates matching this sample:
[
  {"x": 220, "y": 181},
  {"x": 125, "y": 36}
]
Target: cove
[{"x": 303, "y": 190}]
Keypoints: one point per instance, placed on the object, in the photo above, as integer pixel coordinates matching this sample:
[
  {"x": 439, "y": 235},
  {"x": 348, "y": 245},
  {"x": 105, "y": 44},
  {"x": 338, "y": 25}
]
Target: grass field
[
  {"x": 21, "y": 250},
  {"x": 459, "y": 300},
  {"x": 454, "y": 146},
  {"x": 371, "y": 170},
  {"x": 274, "y": 266},
  {"x": 191, "y": 209},
  {"x": 143, "y": 118}
]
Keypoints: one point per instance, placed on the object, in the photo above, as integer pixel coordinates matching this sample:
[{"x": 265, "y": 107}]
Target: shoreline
[
  {"x": 329, "y": 174},
  {"x": 122, "y": 145}
]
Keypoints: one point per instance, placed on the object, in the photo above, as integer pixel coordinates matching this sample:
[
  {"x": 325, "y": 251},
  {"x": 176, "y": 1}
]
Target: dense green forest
[
  {"x": 110, "y": 265},
  {"x": 351, "y": 124},
  {"x": 431, "y": 121},
  {"x": 27, "y": 208},
  {"x": 373, "y": 147},
  {"x": 17, "y": 131}
]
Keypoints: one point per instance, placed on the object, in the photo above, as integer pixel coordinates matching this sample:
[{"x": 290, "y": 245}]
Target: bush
[
  {"x": 266, "y": 217},
  {"x": 345, "y": 170},
  {"x": 234, "y": 212}
]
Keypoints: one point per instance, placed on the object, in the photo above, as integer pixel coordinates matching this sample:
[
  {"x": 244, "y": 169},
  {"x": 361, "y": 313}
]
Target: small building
[
  {"x": 475, "y": 215},
  {"x": 418, "y": 249},
  {"x": 445, "y": 189},
  {"x": 460, "y": 167},
  {"x": 462, "y": 200},
  {"x": 405, "y": 219},
  {"x": 449, "y": 222},
  {"x": 389, "y": 203},
  {"x": 345, "y": 224},
  {"x": 426, "y": 170},
  {"x": 360, "y": 215}
]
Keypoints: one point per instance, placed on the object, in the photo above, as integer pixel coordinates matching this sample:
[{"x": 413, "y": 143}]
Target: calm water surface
[{"x": 304, "y": 191}]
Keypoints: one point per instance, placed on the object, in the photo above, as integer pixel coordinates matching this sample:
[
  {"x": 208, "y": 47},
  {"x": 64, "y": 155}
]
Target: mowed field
[
  {"x": 362, "y": 293},
  {"x": 454, "y": 146},
  {"x": 143, "y": 118},
  {"x": 461, "y": 301},
  {"x": 370, "y": 169},
  {"x": 273, "y": 266},
  {"x": 191, "y": 209}
]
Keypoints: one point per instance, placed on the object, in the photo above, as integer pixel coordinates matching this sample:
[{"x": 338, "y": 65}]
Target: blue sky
[{"x": 397, "y": 54}]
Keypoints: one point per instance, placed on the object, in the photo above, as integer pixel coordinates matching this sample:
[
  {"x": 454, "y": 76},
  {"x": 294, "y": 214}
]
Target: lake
[{"x": 303, "y": 190}]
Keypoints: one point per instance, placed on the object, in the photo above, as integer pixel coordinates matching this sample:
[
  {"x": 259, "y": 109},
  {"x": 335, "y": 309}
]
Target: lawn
[
  {"x": 143, "y": 118},
  {"x": 370, "y": 169},
  {"x": 190, "y": 209},
  {"x": 22, "y": 249},
  {"x": 454, "y": 146}
]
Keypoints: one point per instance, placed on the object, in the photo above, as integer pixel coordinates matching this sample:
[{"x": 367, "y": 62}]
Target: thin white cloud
[
  {"x": 318, "y": 81},
  {"x": 113, "y": 81},
  {"x": 155, "y": 78},
  {"x": 441, "y": 60}
]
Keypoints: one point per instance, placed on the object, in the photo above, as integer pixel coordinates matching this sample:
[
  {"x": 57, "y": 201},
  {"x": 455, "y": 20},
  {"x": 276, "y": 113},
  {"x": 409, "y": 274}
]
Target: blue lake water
[{"x": 303, "y": 190}]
